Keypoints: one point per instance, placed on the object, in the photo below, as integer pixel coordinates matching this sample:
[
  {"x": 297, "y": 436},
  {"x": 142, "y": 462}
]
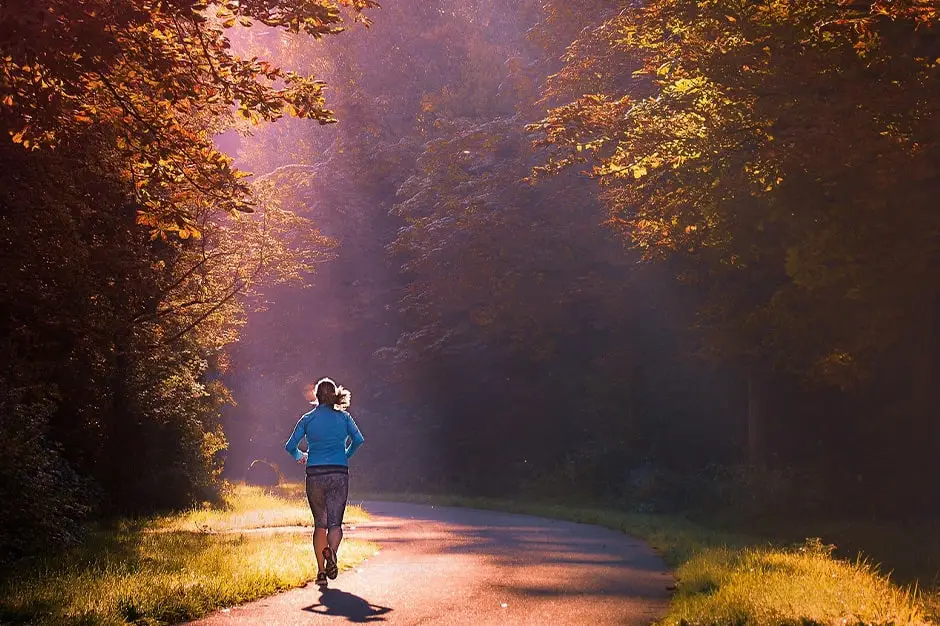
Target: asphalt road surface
[{"x": 441, "y": 565}]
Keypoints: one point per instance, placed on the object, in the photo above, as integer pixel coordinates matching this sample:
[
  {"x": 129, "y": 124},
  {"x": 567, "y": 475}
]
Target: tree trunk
[
  {"x": 924, "y": 438},
  {"x": 118, "y": 442},
  {"x": 755, "y": 423}
]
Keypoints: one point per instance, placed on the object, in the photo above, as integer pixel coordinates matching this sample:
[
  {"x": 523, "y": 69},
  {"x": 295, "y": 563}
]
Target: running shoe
[{"x": 329, "y": 557}]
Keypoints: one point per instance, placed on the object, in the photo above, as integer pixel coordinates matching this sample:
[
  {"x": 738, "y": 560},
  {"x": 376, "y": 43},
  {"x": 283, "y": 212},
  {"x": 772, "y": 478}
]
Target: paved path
[{"x": 440, "y": 565}]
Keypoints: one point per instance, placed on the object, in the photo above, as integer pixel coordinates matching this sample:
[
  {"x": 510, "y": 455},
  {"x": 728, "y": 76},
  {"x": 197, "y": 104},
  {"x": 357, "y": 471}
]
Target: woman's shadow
[{"x": 334, "y": 602}]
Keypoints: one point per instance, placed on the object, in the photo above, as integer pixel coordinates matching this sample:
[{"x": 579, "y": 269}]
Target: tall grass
[{"x": 787, "y": 586}]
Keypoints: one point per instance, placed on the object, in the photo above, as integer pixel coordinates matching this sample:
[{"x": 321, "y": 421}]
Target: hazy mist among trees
[{"x": 679, "y": 254}]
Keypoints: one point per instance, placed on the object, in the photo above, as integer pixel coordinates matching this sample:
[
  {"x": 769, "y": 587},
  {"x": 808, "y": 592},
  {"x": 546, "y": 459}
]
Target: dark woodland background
[{"x": 560, "y": 249}]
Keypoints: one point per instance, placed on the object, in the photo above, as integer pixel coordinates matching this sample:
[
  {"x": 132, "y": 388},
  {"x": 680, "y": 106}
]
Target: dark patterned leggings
[{"x": 327, "y": 494}]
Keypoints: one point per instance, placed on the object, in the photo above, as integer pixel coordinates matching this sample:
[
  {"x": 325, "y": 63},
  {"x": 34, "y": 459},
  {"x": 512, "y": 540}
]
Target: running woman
[{"x": 332, "y": 438}]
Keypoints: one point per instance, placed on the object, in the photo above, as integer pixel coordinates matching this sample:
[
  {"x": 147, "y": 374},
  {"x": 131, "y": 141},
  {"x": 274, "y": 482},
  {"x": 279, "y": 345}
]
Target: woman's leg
[
  {"x": 320, "y": 542},
  {"x": 336, "y": 509},
  {"x": 316, "y": 498},
  {"x": 337, "y": 492},
  {"x": 334, "y": 537}
]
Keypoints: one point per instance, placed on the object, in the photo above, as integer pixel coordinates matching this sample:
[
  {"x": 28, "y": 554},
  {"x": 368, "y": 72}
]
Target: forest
[{"x": 681, "y": 254}]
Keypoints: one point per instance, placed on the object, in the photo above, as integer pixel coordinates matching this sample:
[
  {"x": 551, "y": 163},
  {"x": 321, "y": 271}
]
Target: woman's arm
[
  {"x": 294, "y": 441},
  {"x": 355, "y": 437}
]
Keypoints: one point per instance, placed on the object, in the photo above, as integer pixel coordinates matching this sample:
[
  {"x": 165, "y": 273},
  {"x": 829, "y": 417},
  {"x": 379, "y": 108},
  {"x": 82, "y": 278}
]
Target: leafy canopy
[
  {"x": 781, "y": 153},
  {"x": 159, "y": 74}
]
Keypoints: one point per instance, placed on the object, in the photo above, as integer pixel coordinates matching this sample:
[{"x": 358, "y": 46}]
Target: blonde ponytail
[{"x": 342, "y": 398}]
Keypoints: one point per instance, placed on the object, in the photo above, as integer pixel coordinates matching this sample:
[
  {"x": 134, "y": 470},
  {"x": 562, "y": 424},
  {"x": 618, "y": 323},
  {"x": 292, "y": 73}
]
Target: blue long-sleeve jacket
[{"x": 328, "y": 432}]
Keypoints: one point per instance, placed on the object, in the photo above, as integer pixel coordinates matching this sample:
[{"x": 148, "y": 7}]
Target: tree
[
  {"x": 507, "y": 287},
  {"x": 157, "y": 73},
  {"x": 116, "y": 336},
  {"x": 725, "y": 162},
  {"x": 784, "y": 161}
]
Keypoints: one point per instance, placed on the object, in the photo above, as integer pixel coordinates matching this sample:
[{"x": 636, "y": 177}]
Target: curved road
[{"x": 440, "y": 565}]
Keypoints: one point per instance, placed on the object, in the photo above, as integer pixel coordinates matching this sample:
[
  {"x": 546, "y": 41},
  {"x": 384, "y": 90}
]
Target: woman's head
[{"x": 331, "y": 394}]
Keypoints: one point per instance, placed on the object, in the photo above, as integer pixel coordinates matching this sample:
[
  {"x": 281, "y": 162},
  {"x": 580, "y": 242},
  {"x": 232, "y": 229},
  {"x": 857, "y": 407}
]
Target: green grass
[
  {"x": 768, "y": 585},
  {"x": 736, "y": 579},
  {"x": 162, "y": 571},
  {"x": 251, "y": 507}
]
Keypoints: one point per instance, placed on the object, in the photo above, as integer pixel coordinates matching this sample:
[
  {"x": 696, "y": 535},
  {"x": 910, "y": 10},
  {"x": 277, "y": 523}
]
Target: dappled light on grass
[
  {"x": 247, "y": 507},
  {"x": 135, "y": 575}
]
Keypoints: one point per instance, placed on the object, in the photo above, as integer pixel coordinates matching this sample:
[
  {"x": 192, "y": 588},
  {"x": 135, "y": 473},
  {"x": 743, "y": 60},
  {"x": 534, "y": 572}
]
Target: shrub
[{"x": 44, "y": 501}]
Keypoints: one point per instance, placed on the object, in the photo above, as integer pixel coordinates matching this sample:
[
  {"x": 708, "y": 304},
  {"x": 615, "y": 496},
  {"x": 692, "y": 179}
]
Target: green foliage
[
  {"x": 115, "y": 333},
  {"x": 779, "y": 159},
  {"x": 73, "y": 291},
  {"x": 466, "y": 301},
  {"x": 40, "y": 490},
  {"x": 783, "y": 158},
  {"x": 481, "y": 247}
]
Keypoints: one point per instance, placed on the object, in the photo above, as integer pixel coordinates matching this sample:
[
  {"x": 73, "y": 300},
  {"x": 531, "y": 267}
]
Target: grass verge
[
  {"x": 164, "y": 571},
  {"x": 735, "y": 579},
  {"x": 246, "y": 507}
]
